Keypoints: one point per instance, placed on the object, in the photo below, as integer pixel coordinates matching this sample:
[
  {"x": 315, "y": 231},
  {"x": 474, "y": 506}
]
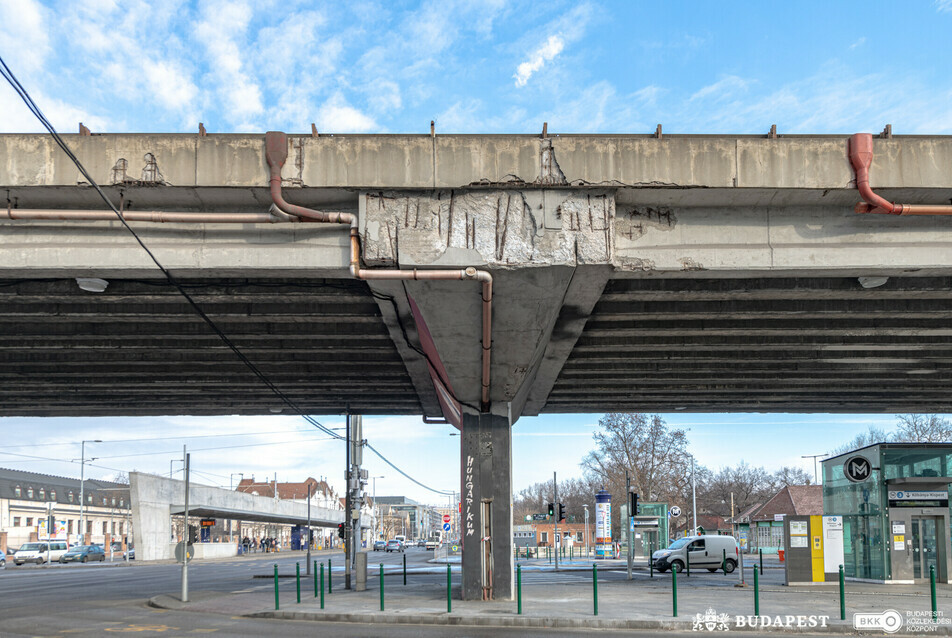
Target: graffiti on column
[{"x": 470, "y": 530}]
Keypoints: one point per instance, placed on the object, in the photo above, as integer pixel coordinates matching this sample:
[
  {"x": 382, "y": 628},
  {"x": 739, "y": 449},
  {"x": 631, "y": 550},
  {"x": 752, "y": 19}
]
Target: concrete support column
[{"x": 486, "y": 495}]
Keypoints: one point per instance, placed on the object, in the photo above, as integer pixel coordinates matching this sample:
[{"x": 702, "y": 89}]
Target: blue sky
[{"x": 498, "y": 66}]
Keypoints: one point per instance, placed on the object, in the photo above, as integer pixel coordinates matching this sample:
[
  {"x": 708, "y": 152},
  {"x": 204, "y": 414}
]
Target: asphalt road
[{"x": 99, "y": 600}]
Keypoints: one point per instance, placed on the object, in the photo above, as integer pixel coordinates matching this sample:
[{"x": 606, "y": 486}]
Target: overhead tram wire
[{"x": 32, "y": 106}]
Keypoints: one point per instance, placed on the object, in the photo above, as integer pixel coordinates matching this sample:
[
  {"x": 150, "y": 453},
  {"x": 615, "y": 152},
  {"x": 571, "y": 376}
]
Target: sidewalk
[{"x": 643, "y": 603}]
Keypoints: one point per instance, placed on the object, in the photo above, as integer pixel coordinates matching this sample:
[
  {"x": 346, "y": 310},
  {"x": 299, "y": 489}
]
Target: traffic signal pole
[
  {"x": 348, "y": 537},
  {"x": 631, "y": 514},
  {"x": 186, "y": 534},
  {"x": 555, "y": 515}
]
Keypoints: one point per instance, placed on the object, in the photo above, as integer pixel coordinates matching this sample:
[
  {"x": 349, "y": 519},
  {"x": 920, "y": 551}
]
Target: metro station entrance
[{"x": 926, "y": 545}]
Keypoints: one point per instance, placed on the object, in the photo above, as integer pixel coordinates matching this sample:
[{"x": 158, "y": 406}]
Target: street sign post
[
  {"x": 446, "y": 518},
  {"x": 446, "y": 527}
]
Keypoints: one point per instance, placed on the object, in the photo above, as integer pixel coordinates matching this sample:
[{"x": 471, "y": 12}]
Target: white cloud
[
  {"x": 537, "y": 59},
  {"x": 862, "y": 41},
  {"x": 221, "y": 31},
  {"x": 337, "y": 116},
  {"x": 25, "y": 23},
  {"x": 170, "y": 84},
  {"x": 722, "y": 89},
  {"x": 943, "y": 6}
]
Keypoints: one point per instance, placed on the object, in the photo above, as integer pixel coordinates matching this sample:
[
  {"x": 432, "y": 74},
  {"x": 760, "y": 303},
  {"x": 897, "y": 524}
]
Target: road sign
[
  {"x": 675, "y": 511},
  {"x": 539, "y": 517},
  {"x": 857, "y": 469},
  {"x": 446, "y": 527},
  {"x": 446, "y": 518}
]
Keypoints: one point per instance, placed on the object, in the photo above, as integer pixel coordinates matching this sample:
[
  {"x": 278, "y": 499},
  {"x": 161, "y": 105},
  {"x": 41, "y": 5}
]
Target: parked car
[
  {"x": 706, "y": 552},
  {"x": 380, "y": 545},
  {"x": 83, "y": 554},
  {"x": 394, "y": 545},
  {"x": 3, "y": 560},
  {"x": 131, "y": 553},
  {"x": 39, "y": 553}
]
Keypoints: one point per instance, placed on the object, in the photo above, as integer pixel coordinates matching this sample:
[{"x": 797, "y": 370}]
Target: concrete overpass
[{"x": 697, "y": 273}]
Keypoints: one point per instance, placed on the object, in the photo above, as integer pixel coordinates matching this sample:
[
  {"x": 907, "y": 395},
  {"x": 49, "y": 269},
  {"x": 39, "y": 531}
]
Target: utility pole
[
  {"x": 308, "y": 529},
  {"x": 82, "y": 488},
  {"x": 693, "y": 497},
  {"x": 629, "y": 517},
  {"x": 555, "y": 515},
  {"x": 186, "y": 539},
  {"x": 347, "y": 507}
]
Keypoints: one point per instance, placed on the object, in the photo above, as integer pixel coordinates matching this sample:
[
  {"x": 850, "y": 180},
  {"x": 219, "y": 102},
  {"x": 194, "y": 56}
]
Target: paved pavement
[{"x": 566, "y": 600}]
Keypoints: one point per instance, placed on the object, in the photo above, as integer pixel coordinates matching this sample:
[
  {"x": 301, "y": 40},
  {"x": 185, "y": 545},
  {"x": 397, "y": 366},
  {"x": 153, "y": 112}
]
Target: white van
[
  {"x": 706, "y": 552},
  {"x": 40, "y": 552}
]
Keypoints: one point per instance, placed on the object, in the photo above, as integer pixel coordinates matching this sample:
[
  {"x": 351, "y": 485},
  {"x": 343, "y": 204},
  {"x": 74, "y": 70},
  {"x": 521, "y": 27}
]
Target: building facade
[{"x": 26, "y": 499}]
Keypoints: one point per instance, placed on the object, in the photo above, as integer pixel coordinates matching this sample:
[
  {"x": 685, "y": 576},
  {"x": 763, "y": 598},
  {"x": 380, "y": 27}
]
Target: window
[
  {"x": 29, "y": 521},
  {"x": 16, "y": 521},
  {"x": 29, "y": 492},
  {"x": 121, "y": 503},
  {"x": 120, "y": 529},
  {"x": 89, "y": 499},
  {"x": 89, "y": 527},
  {"x": 17, "y": 491},
  {"x": 52, "y": 495},
  {"x": 105, "y": 501},
  {"x": 545, "y": 537},
  {"x": 104, "y": 528},
  {"x": 113, "y": 501},
  {"x": 763, "y": 536},
  {"x": 42, "y": 494},
  {"x": 113, "y": 527},
  {"x": 69, "y": 526},
  {"x": 70, "y": 496}
]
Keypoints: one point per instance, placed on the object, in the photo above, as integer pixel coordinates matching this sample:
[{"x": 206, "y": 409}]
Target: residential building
[{"x": 766, "y": 524}]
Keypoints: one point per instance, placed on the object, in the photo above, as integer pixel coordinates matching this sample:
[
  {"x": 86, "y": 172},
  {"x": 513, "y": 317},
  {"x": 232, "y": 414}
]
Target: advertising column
[{"x": 603, "y": 525}]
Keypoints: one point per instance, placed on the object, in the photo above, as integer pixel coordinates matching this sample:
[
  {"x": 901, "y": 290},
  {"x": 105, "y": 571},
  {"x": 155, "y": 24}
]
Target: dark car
[{"x": 83, "y": 554}]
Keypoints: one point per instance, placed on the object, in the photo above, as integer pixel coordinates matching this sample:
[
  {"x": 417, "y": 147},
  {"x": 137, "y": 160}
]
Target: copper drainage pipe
[
  {"x": 148, "y": 216},
  {"x": 276, "y": 153},
  {"x": 861, "y": 157}
]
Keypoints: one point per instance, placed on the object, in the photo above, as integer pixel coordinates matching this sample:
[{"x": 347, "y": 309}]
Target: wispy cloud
[
  {"x": 862, "y": 41},
  {"x": 537, "y": 59},
  {"x": 337, "y": 116},
  {"x": 943, "y": 6},
  {"x": 222, "y": 32}
]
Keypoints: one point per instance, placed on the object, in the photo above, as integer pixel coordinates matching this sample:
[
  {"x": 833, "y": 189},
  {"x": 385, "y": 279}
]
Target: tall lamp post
[
  {"x": 586, "y": 528},
  {"x": 374, "y": 479},
  {"x": 231, "y": 486},
  {"x": 82, "y": 486}
]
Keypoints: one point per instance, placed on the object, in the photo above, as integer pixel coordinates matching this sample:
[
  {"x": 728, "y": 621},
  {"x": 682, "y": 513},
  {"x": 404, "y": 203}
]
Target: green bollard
[
  {"x": 404, "y": 569},
  {"x": 277, "y": 605},
  {"x": 519, "y": 589},
  {"x": 842, "y": 595},
  {"x": 298, "y": 577},
  {"x": 381, "y": 586},
  {"x": 674, "y": 591},
  {"x": 595, "y": 585},
  {"x": 651, "y": 567},
  {"x": 756, "y": 593},
  {"x": 935, "y": 609},
  {"x": 761, "y": 552},
  {"x": 330, "y": 578},
  {"x": 449, "y": 589},
  {"x": 322, "y": 585},
  {"x": 315, "y": 577},
  {"x": 724, "y": 561}
]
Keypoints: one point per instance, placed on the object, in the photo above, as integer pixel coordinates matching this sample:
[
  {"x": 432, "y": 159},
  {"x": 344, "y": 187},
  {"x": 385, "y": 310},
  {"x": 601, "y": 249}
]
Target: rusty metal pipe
[
  {"x": 469, "y": 273},
  {"x": 163, "y": 217},
  {"x": 276, "y": 154},
  {"x": 861, "y": 158}
]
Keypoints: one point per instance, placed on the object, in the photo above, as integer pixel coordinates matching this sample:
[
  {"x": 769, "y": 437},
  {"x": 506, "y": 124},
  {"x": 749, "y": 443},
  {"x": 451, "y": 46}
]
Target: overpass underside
[{"x": 696, "y": 273}]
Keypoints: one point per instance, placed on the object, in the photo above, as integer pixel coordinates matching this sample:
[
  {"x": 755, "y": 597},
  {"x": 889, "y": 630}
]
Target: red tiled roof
[{"x": 792, "y": 499}]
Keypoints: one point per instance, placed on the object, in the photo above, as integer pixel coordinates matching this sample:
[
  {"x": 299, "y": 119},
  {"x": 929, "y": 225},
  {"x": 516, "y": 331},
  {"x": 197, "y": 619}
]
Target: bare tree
[
  {"x": 653, "y": 454},
  {"x": 788, "y": 475},
  {"x": 871, "y": 436},
  {"x": 923, "y": 428},
  {"x": 745, "y": 484}
]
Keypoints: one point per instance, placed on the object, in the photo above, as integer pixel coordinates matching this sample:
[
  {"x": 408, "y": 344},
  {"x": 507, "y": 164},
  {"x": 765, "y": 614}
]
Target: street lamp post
[
  {"x": 374, "y": 479},
  {"x": 231, "y": 486},
  {"x": 82, "y": 486},
  {"x": 586, "y": 528}
]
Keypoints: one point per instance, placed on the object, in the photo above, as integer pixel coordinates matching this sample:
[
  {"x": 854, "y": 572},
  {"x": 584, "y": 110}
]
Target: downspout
[
  {"x": 276, "y": 153},
  {"x": 861, "y": 157}
]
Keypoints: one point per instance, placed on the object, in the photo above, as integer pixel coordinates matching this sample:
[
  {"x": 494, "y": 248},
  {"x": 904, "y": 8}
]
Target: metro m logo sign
[{"x": 857, "y": 469}]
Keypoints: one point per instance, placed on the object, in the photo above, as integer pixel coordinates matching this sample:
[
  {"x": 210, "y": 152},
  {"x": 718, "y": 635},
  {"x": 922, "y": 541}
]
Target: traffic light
[
  {"x": 561, "y": 512},
  {"x": 192, "y": 534},
  {"x": 632, "y": 504},
  {"x": 551, "y": 509},
  {"x": 340, "y": 530}
]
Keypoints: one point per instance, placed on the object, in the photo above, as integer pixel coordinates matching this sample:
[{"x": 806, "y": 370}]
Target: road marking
[
  {"x": 203, "y": 631},
  {"x": 243, "y": 591},
  {"x": 138, "y": 628}
]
